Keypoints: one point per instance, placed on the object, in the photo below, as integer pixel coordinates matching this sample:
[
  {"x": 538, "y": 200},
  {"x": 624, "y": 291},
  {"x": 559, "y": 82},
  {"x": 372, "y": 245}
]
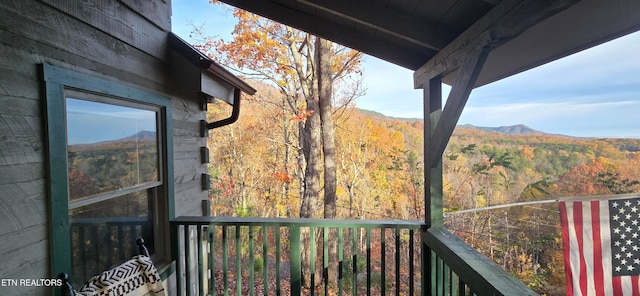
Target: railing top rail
[{"x": 301, "y": 222}]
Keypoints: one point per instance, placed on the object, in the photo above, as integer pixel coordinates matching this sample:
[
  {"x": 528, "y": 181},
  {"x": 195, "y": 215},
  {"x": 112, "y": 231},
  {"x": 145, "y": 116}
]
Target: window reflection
[
  {"x": 110, "y": 147},
  {"x": 103, "y": 234}
]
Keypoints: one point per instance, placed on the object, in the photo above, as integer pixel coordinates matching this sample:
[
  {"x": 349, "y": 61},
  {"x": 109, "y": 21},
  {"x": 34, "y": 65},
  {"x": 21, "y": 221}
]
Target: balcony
[{"x": 245, "y": 256}]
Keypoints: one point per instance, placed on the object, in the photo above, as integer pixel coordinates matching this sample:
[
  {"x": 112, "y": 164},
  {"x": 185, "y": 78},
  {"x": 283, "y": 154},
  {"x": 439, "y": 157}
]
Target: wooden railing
[
  {"x": 374, "y": 257},
  {"x": 264, "y": 256}
]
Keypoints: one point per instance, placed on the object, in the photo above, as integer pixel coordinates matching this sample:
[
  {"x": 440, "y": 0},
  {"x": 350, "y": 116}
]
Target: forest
[{"x": 380, "y": 173}]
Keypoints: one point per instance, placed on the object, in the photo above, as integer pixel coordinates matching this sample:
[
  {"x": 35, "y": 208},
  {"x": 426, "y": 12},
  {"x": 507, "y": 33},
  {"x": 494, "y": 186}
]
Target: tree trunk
[
  {"x": 325, "y": 99},
  {"x": 312, "y": 151}
]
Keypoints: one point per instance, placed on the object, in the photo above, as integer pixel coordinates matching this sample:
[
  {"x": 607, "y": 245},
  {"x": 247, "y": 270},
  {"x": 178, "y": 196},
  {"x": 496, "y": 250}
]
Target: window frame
[{"x": 58, "y": 81}]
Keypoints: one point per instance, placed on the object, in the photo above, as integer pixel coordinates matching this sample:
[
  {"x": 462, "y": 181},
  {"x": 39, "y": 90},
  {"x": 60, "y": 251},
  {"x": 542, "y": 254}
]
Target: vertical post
[
  {"x": 265, "y": 260},
  {"x": 212, "y": 254},
  {"x": 397, "y": 259},
  {"x": 383, "y": 260},
  {"x": 340, "y": 259},
  {"x": 368, "y": 261},
  {"x": 225, "y": 260},
  {"x": 295, "y": 260},
  {"x": 325, "y": 259},
  {"x": 187, "y": 260},
  {"x": 278, "y": 246},
  {"x": 175, "y": 255},
  {"x": 312, "y": 255},
  {"x": 201, "y": 278},
  {"x": 411, "y": 267},
  {"x": 238, "y": 262},
  {"x": 354, "y": 261},
  {"x": 251, "y": 262},
  {"x": 433, "y": 175}
]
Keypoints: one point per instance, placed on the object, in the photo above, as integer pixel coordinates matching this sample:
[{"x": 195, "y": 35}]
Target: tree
[{"x": 304, "y": 68}]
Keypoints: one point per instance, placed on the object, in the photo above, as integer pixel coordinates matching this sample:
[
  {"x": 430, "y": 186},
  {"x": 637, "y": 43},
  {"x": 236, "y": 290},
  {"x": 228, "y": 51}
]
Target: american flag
[{"x": 601, "y": 241}]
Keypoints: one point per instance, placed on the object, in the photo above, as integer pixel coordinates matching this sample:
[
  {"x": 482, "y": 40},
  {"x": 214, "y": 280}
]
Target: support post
[{"x": 433, "y": 177}]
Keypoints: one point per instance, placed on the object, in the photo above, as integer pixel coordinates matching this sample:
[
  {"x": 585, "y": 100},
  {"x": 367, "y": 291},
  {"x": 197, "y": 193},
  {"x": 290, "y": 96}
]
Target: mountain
[
  {"x": 519, "y": 129},
  {"x": 375, "y": 114},
  {"x": 140, "y": 136}
]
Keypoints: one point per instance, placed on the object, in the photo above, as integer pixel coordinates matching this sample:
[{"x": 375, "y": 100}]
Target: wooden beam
[
  {"x": 432, "y": 176},
  {"x": 381, "y": 18},
  {"x": 404, "y": 56},
  {"x": 466, "y": 79},
  {"x": 503, "y": 23}
]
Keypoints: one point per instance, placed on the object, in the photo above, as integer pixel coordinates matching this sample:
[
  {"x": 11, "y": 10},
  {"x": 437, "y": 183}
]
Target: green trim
[
  {"x": 56, "y": 80},
  {"x": 58, "y": 186}
]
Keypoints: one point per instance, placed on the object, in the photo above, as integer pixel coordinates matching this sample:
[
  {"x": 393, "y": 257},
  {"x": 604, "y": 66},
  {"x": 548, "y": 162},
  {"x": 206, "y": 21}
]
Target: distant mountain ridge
[
  {"x": 518, "y": 129},
  {"x": 139, "y": 136}
]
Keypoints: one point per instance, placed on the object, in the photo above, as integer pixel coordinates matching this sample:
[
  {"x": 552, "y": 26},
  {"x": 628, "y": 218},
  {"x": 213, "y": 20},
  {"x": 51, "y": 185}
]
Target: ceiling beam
[
  {"x": 388, "y": 51},
  {"x": 383, "y": 19},
  {"x": 503, "y": 23}
]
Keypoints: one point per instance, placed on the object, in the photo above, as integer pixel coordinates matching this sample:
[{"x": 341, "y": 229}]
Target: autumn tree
[{"x": 305, "y": 69}]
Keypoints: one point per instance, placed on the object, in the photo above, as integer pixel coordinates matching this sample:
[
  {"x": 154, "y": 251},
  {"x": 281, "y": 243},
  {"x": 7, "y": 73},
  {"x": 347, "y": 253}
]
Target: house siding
[{"x": 122, "y": 41}]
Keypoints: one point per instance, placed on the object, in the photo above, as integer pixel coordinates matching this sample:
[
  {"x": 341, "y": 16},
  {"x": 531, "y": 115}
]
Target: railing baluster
[
  {"x": 238, "y": 262},
  {"x": 295, "y": 261},
  {"x": 455, "y": 283},
  {"x": 278, "y": 245},
  {"x": 175, "y": 255},
  {"x": 251, "y": 263},
  {"x": 340, "y": 260},
  {"x": 187, "y": 260},
  {"x": 368, "y": 261},
  {"x": 225, "y": 260},
  {"x": 132, "y": 237},
  {"x": 440, "y": 275},
  {"x": 383, "y": 265},
  {"x": 411, "y": 265},
  {"x": 110, "y": 260},
  {"x": 200, "y": 259},
  {"x": 325, "y": 261},
  {"x": 446, "y": 279},
  {"x": 120, "y": 242},
  {"x": 312, "y": 260},
  {"x": 265, "y": 261},
  {"x": 398, "y": 261},
  {"x": 426, "y": 273},
  {"x": 212, "y": 261},
  {"x": 354, "y": 255}
]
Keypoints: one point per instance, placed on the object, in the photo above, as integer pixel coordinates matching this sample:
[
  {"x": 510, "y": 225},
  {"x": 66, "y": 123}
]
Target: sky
[
  {"x": 114, "y": 122},
  {"x": 594, "y": 93}
]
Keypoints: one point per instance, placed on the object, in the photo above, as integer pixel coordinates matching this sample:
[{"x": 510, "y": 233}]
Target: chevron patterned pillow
[{"x": 136, "y": 277}]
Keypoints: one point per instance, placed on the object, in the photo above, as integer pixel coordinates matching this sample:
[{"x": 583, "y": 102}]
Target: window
[{"x": 108, "y": 169}]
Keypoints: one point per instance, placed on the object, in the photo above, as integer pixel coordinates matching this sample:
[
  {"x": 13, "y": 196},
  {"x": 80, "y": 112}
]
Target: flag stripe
[
  {"x": 581, "y": 262},
  {"x": 598, "y": 277},
  {"x": 605, "y": 243},
  {"x": 565, "y": 241}
]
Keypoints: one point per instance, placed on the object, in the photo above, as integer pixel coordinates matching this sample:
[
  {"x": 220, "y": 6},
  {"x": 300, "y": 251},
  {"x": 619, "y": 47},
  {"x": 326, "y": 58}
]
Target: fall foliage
[
  {"x": 263, "y": 164},
  {"x": 380, "y": 176}
]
